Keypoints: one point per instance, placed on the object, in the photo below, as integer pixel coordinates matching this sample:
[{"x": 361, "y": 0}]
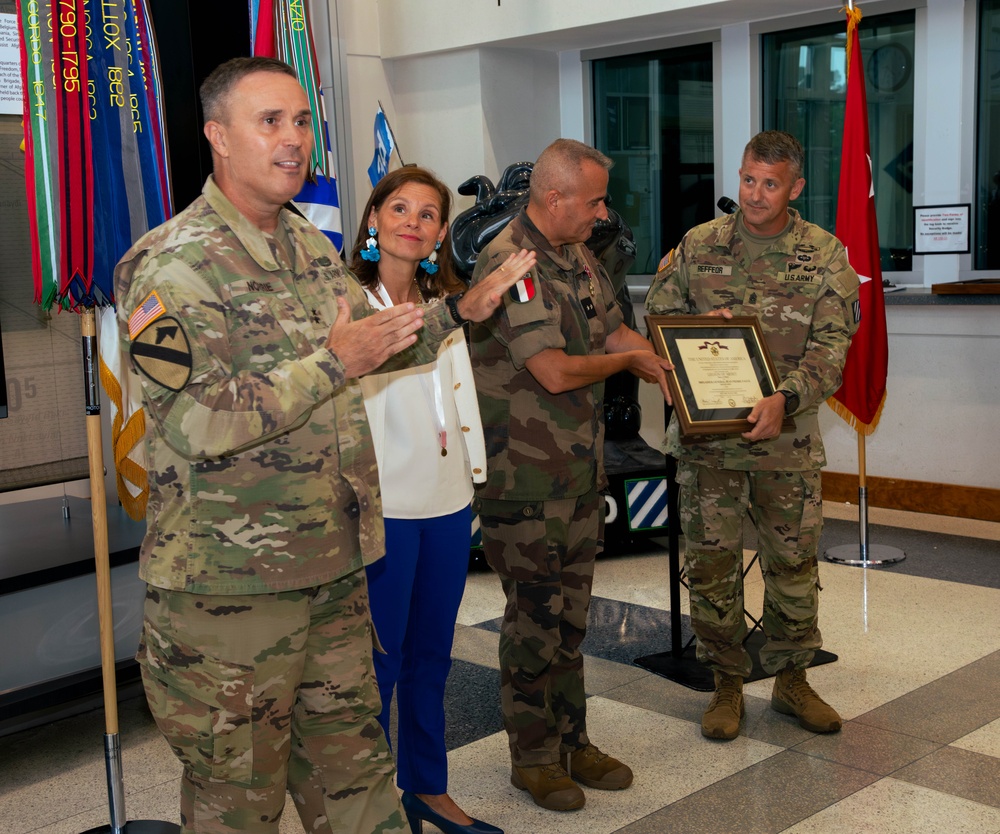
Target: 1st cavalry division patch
[{"x": 163, "y": 353}]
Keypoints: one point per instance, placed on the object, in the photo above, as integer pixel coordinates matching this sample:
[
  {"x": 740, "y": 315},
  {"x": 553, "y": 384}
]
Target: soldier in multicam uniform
[
  {"x": 249, "y": 336},
  {"x": 540, "y": 366},
  {"x": 764, "y": 260}
]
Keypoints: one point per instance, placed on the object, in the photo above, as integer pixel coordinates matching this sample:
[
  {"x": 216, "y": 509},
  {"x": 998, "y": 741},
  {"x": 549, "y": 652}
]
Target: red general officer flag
[{"x": 860, "y": 398}]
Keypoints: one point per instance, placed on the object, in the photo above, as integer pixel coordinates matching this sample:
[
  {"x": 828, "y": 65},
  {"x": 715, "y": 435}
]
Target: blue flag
[
  {"x": 383, "y": 149},
  {"x": 319, "y": 203},
  {"x": 318, "y": 200}
]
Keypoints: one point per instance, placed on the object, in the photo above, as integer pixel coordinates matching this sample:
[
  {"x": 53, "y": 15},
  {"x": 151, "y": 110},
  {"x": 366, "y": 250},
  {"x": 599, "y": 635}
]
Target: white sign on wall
[
  {"x": 940, "y": 230},
  {"x": 10, "y": 66}
]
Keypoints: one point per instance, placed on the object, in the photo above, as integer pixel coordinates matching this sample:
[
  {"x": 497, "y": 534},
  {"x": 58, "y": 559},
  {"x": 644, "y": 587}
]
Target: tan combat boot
[
  {"x": 590, "y": 767},
  {"x": 792, "y": 695},
  {"x": 722, "y": 718},
  {"x": 549, "y": 785}
]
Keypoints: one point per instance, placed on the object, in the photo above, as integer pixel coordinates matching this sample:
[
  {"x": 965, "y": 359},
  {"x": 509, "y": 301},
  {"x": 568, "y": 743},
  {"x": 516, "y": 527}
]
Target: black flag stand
[
  {"x": 863, "y": 555},
  {"x": 95, "y": 455}
]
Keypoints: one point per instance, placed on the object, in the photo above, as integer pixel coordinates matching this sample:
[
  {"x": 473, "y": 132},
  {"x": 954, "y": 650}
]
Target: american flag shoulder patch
[{"x": 147, "y": 312}]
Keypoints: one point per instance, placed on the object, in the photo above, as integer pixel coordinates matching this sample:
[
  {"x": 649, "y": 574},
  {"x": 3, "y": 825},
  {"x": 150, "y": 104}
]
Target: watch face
[{"x": 889, "y": 67}]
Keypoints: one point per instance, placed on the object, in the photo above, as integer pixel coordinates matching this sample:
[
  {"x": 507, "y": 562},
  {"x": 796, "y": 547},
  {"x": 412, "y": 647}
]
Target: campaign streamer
[{"x": 96, "y": 165}]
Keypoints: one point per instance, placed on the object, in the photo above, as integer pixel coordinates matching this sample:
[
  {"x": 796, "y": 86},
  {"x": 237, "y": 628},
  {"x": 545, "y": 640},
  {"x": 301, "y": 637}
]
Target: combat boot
[
  {"x": 792, "y": 695},
  {"x": 722, "y": 718},
  {"x": 549, "y": 785},
  {"x": 590, "y": 767}
]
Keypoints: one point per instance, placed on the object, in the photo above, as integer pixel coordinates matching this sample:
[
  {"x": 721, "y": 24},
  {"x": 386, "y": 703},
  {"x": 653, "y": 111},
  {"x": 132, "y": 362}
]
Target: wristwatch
[
  {"x": 452, "y": 302},
  {"x": 791, "y": 401}
]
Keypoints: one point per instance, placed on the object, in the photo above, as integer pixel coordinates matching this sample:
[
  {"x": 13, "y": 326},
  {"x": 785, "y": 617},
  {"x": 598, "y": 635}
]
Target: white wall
[
  {"x": 439, "y": 120},
  {"x": 520, "y": 103},
  {"x": 942, "y": 408},
  {"x": 366, "y": 84},
  {"x": 417, "y": 28},
  {"x": 459, "y": 113},
  {"x": 574, "y": 98},
  {"x": 733, "y": 112}
]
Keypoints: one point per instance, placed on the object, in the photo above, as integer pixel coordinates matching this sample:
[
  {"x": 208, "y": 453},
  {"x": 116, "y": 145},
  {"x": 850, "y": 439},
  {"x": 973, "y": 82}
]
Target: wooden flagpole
[{"x": 105, "y": 610}]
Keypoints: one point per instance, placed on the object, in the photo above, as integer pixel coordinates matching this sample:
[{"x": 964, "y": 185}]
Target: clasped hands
[{"x": 364, "y": 345}]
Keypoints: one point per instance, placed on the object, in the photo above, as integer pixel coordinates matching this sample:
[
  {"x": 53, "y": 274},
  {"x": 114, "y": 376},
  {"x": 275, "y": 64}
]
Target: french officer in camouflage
[
  {"x": 766, "y": 261},
  {"x": 248, "y": 335},
  {"x": 540, "y": 365}
]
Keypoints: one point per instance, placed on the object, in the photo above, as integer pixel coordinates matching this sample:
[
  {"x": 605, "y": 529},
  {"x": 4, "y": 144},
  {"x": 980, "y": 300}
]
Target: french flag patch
[{"x": 523, "y": 290}]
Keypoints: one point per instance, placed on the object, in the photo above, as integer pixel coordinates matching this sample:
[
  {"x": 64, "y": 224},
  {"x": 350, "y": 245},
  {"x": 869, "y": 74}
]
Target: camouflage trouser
[
  {"x": 261, "y": 692},
  {"x": 788, "y": 509},
  {"x": 544, "y": 553}
]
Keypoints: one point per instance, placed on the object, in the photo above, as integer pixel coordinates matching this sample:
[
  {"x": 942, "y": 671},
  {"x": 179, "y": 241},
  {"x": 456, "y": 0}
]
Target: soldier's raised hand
[
  {"x": 483, "y": 297},
  {"x": 365, "y": 344}
]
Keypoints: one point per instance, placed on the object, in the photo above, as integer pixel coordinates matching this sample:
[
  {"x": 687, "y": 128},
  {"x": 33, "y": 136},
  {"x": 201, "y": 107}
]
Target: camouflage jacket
[
  {"x": 539, "y": 445},
  {"x": 804, "y": 292},
  {"x": 262, "y": 474}
]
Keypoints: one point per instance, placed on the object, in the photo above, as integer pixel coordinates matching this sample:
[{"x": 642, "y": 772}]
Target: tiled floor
[{"x": 917, "y": 680}]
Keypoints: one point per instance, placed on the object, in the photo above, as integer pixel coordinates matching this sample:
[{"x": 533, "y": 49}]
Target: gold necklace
[{"x": 420, "y": 294}]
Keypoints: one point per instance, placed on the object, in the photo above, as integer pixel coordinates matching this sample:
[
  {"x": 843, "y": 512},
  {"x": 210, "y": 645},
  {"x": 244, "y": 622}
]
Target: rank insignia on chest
[
  {"x": 588, "y": 307},
  {"x": 523, "y": 290}
]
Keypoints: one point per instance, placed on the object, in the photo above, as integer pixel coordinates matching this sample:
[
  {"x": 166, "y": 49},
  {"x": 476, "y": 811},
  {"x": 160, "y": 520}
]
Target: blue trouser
[{"x": 415, "y": 592}]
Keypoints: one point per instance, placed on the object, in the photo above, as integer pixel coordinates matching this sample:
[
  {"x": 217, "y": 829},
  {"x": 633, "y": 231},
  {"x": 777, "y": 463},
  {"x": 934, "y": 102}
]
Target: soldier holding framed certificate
[
  {"x": 764, "y": 261},
  {"x": 722, "y": 369}
]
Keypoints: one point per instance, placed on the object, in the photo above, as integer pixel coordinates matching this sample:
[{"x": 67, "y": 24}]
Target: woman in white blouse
[{"x": 429, "y": 444}]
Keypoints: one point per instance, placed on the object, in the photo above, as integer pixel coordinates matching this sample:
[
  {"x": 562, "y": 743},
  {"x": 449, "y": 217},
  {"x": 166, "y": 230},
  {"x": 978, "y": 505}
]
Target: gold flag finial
[{"x": 853, "y": 18}]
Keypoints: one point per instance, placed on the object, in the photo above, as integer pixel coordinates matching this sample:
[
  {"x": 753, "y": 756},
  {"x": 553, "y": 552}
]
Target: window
[
  {"x": 804, "y": 89},
  {"x": 987, "y": 238},
  {"x": 653, "y": 117}
]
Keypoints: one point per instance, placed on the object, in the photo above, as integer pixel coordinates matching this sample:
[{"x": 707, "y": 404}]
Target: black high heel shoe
[{"x": 417, "y": 811}]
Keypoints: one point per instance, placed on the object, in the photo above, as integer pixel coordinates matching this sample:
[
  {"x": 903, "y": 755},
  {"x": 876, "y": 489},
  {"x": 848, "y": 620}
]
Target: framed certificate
[{"x": 721, "y": 369}]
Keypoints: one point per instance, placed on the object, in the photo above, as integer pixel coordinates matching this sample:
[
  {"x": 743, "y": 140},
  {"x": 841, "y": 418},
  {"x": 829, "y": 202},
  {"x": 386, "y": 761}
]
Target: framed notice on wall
[
  {"x": 941, "y": 230},
  {"x": 10, "y": 66}
]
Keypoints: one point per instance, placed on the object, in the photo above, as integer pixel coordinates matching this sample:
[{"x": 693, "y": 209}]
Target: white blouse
[{"x": 417, "y": 413}]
